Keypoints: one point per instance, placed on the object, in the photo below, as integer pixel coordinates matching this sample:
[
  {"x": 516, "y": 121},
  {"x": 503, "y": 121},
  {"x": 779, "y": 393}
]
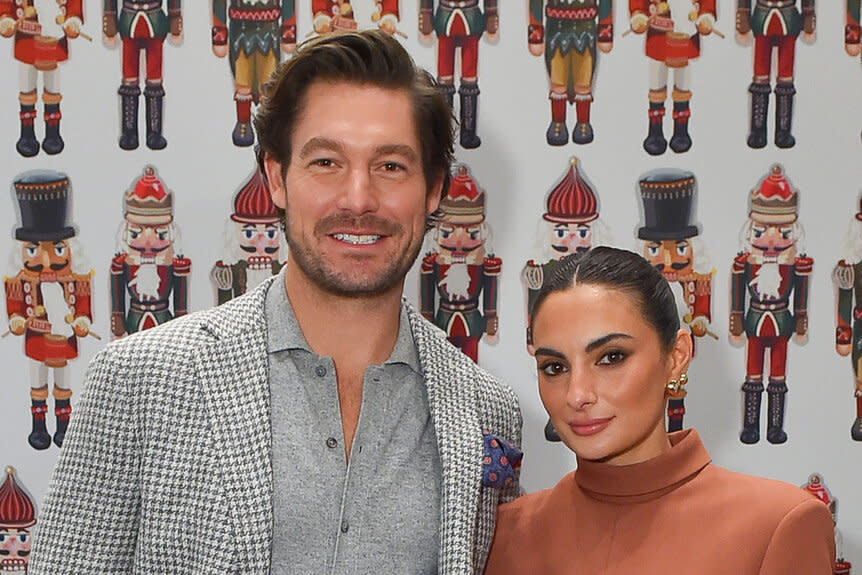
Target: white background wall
[{"x": 517, "y": 169}]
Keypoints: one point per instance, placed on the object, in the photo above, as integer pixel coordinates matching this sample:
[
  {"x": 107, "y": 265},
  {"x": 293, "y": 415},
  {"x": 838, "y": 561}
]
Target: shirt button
[
  {"x": 332, "y": 443},
  {"x": 320, "y": 371},
  {"x": 345, "y": 526}
]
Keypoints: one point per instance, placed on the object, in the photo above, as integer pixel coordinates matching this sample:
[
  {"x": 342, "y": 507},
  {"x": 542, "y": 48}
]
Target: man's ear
[
  {"x": 276, "y": 181},
  {"x": 432, "y": 198}
]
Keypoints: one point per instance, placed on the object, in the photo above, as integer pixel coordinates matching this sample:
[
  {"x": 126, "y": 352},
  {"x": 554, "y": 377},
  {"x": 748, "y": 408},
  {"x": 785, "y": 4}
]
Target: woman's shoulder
[{"x": 537, "y": 506}]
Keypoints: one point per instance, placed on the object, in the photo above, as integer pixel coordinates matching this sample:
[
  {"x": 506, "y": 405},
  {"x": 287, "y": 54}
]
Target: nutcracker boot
[
  {"x": 53, "y": 143},
  {"x": 447, "y": 88},
  {"x": 675, "y": 411},
  {"x": 751, "y": 413},
  {"x": 469, "y": 93},
  {"x": 39, "y": 438},
  {"x": 759, "y": 107},
  {"x": 551, "y": 433},
  {"x": 784, "y": 92},
  {"x": 856, "y": 430},
  {"x": 243, "y": 135},
  {"x": 27, "y": 144},
  {"x": 583, "y": 131},
  {"x": 680, "y": 141},
  {"x": 62, "y": 409},
  {"x": 558, "y": 133},
  {"x": 129, "y": 103},
  {"x": 154, "y": 95},
  {"x": 655, "y": 144},
  {"x": 774, "y": 430}
]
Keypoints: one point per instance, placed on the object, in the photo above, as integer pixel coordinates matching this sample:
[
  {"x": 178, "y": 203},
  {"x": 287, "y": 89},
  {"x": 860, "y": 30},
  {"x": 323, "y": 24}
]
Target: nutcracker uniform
[
  {"x": 142, "y": 26},
  {"x": 148, "y": 204},
  {"x": 817, "y": 488},
  {"x": 461, "y": 275},
  {"x": 459, "y": 24},
  {"x": 764, "y": 286},
  {"x": 668, "y": 199},
  {"x": 775, "y": 24},
  {"x": 673, "y": 29},
  {"x": 39, "y": 47},
  {"x": 48, "y": 304},
  {"x": 572, "y": 30},
  {"x": 336, "y": 15},
  {"x": 254, "y": 30}
]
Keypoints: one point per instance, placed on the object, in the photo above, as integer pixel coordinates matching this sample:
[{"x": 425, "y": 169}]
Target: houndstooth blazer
[{"x": 166, "y": 467}]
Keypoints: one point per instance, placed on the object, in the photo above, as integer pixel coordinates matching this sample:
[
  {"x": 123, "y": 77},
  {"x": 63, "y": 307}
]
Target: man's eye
[
  {"x": 323, "y": 162},
  {"x": 553, "y": 368},
  {"x": 612, "y": 357},
  {"x": 392, "y": 166}
]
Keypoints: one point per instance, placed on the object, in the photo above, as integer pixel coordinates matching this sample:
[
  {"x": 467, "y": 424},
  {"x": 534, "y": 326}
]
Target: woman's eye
[
  {"x": 612, "y": 357},
  {"x": 553, "y": 368}
]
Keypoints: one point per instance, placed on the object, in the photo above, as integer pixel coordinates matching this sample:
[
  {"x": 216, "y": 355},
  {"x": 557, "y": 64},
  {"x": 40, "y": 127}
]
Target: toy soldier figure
[
  {"x": 40, "y": 44},
  {"x": 336, "y": 15},
  {"x": 817, "y": 488},
  {"x": 671, "y": 246},
  {"x": 251, "y": 41},
  {"x": 460, "y": 270},
  {"x": 770, "y": 272},
  {"x": 776, "y": 24},
  {"x": 146, "y": 266},
  {"x": 852, "y": 31},
  {"x": 48, "y": 300},
  {"x": 254, "y": 240},
  {"x": 143, "y": 26},
  {"x": 17, "y": 516},
  {"x": 460, "y": 23},
  {"x": 573, "y": 29},
  {"x": 673, "y": 29},
  {"x": 848, "y": 333}
]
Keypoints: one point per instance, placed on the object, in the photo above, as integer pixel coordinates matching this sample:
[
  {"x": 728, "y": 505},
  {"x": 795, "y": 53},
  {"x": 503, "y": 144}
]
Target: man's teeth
[{"x": 356, "y": 239}]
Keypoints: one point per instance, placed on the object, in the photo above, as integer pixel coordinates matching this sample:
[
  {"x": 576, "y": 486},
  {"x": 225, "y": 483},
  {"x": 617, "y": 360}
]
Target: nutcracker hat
[
  {"x": 148, "y": 202},
  {"x": 774, "y": 201},
  {"x": 668, "y": 201},
  {"x": 464, "y": 202},
  {"x": 43, "y": 199},
  {"x": 16, "y": 508},
  {"x": 816, "y": 488},
  {"x": 253, "y": 203},
  {"x": 842, "y": 568},
  {"x": 573, "y": 200}
]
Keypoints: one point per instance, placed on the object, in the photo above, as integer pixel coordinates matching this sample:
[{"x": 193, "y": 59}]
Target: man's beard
[{"x": 333, "y": 280}]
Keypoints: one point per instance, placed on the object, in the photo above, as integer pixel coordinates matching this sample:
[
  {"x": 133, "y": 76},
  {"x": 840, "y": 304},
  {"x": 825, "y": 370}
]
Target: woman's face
[{"x": 602, "y": 374}]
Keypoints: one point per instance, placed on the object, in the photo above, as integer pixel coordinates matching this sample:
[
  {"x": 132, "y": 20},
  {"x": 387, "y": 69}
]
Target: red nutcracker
[
  {"x": 143, "y": 27},
  {"x": 40, "y": 45},
  {"x": 461, "y": 271},
  {"x": 48, "y": 300},
  {"x": 817, "y": 488},
  {"x": 769, "y": 299},
  {"x": 673, "y": 29},
  {"x": 336, "y": 15},
  {"x": 17, "y": 517},
  {"x": 148, "y": 268},
  {"x": 460, "y": 24},
  {"x": 852, "y": 31},
  {"x": 776, "y": 25}
]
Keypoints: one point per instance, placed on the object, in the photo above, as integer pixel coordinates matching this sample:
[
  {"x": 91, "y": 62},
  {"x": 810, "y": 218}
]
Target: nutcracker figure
[
  {"x": 48, "y": 300},
  {"x": 253, "y": 241},
  {"x": 852, "y": 31},
  {"x": 773, "y": 272},
  {"x": 40, "y": 45},
  {"x": 142, "y": 26},
  {"x": 671, "y": 244},
  {"x": 17, "y": 516},
  {"x": 460, "y": 23},
  {"x": 146, "y": 266},
  {"x": 335, "y": 15},
  {"x": 848, "y": 333},
  {"x": 673, "y": 30},
  {"x": 573, "y": 30},
  {"x": 817, "y": 488},
  {"x": 775, "y": 24},
  {"x": 462, "y": 268},
  {"x": 250, "y": 32}
]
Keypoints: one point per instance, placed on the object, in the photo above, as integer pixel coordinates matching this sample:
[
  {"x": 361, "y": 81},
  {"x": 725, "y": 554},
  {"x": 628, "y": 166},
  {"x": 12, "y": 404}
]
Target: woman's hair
[{"x": 623, "y": 271}]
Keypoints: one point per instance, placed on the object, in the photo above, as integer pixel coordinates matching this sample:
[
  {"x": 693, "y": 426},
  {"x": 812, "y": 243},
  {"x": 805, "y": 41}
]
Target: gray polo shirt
[{"x": 377, "y": 513}]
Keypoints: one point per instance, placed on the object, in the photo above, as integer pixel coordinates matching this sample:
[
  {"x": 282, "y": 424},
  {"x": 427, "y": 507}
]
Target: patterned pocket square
[{"x": 500, "y": 461}]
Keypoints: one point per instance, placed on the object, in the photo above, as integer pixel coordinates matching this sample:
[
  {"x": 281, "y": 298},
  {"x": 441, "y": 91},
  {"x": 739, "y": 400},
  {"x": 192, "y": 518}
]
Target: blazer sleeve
[
  {"x": 803, "y": 543},
  {"x": 89, "y": 522}
]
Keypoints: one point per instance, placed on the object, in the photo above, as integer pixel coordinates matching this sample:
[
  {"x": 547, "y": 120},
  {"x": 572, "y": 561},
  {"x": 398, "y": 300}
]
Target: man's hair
[{"x": 369, "y": 57}]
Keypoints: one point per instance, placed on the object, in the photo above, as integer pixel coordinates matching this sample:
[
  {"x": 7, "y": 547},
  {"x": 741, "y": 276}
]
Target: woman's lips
[{"x": 589, "y": 426}]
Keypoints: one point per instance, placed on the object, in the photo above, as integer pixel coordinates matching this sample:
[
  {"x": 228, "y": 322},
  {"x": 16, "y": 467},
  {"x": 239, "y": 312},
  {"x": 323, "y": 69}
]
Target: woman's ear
[{"x": 680, "y": 353}]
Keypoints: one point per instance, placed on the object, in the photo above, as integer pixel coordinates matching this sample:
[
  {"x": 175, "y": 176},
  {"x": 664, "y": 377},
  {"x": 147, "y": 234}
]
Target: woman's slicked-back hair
[{"x": 620, "y": 270}]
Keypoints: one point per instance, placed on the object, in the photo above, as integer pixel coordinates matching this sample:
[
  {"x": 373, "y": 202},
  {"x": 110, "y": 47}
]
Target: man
[{"x": 243, "y": 449}]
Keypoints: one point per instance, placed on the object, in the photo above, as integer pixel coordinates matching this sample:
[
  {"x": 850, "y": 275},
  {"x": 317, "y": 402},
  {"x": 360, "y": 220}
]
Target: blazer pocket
[{"x": 499, "y": 462}]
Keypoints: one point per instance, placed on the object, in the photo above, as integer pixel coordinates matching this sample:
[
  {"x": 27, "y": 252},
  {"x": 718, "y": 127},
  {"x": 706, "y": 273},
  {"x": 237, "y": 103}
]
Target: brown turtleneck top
[{"x": 675, "y": 513}]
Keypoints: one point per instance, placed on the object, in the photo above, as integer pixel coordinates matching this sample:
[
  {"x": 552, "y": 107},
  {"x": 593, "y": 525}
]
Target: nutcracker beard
[
  {"x": 767, "y": 282},
  {"x": 255, "y": 276},
  {"x": 56, "y": 308},
  {"x": 456, "y": 282},
  {"x": 147, "y": 281}
]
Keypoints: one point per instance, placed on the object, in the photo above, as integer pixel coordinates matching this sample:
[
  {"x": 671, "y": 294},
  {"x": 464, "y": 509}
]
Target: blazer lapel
[
  {"x": 234, "y": 373},
  {"x": 452, "y": 401}
]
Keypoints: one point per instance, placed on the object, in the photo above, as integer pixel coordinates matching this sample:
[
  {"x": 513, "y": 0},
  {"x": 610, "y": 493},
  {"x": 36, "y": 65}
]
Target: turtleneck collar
[{"x": 648, "y": 479}]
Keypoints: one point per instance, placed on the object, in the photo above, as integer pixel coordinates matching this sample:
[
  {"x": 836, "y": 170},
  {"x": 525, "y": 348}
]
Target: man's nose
[{"x": 359, "y": 194}]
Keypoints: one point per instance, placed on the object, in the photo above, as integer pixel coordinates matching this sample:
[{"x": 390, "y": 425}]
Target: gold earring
[{"x": 675, "y": 387}]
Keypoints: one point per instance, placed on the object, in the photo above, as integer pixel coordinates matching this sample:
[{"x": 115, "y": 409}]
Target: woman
[{"x": 608, "y": 349}]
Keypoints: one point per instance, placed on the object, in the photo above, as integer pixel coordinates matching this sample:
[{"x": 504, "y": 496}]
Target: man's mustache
[{"x": 367, "y": 224}]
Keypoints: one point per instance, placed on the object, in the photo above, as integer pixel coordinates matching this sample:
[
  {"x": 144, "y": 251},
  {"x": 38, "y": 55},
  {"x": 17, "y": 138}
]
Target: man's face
[
  {"x": 673, "y": 258},
  {"x": 571, "y": 238},
  {"x": 42, "y": 257},
  {"x": 14, "y": 549},
  {"x": 460, "y": 240},
  {"x": 259, "y": 239},
  {"x": 771, "y": 239},
  {"x": 354, "y": 193},
  {"x": 148, "y": 240}
]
